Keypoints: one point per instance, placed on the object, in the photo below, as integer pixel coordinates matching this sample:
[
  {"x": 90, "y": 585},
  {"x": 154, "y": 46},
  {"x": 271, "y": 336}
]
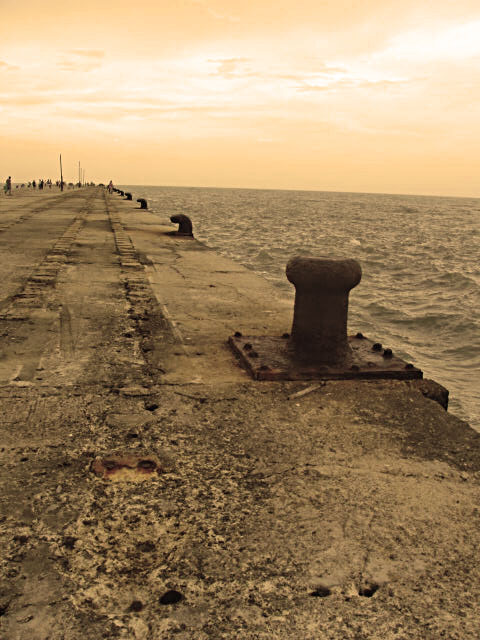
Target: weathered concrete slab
[
  {"x": 28, "y": 227},
  {"x": 348, "y": 512}
]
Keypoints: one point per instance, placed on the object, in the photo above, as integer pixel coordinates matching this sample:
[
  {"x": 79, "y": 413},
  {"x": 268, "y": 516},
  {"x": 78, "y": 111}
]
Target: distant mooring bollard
[
  {"x": 143, "y": 203},
  {"x": 128, "y": 195},
  {"x": 185, "y": 225},
  {"x": 318, "y": 346},
  {"x": 319, "y": 331}
]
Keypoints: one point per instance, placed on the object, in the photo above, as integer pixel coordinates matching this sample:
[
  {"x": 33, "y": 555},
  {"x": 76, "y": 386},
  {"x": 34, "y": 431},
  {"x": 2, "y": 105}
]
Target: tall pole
[
  {"x": 79, "y": 178},
  {"x": 61, "y": 174}
]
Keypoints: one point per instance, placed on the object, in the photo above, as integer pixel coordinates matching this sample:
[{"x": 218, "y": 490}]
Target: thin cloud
[
  {"x": 230, "y": 66},
  {"x": 241, "y": 68},
  {"x": 77, "y": 66},
  {"x": 218, "y": 15},
  {"x": 334, "y": 85},
  {"x": 81, "y": 60},
  {"x": 7, "y": 67},
  {"x": 103, "y": 105},
  {"x": 25, "y": 101},
  {"x": 88, "y": 53},
  {"x": 318, "y": 66}
]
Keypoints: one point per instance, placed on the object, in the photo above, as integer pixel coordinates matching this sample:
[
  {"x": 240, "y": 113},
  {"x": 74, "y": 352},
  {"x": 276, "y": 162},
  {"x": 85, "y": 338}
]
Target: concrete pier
[{"x": 150, "y": 489}]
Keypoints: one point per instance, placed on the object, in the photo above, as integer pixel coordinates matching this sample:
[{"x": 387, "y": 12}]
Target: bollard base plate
[{"x": 272, "y": 358}]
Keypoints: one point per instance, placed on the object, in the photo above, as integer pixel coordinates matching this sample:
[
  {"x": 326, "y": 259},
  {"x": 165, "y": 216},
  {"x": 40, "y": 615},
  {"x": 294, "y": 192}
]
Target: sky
[{"x": 370, "y": 96}]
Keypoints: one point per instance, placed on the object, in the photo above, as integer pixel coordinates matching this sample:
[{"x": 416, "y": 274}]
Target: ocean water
[{"x": 420, "y": 289}]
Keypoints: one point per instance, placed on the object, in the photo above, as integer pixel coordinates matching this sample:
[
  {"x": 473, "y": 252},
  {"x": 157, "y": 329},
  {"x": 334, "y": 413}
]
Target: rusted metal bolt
[
  {"x": 322, "y": 285},
  {"x": 128, "y": 195},
  {"x": 285, "y": 336},
  {"x": 409, "y": 365},
  {"x": 237, "y": 334},
  {"x": 185, "y": 225},
  {"x": 377, "y": 347},
  {"x": 252, "y": 354},
  {"x": 247, "y": 346},
  {"x": 264, "y": 367},
  {"x": 143, "y": 203},
  {"x": 360, "y": 336},
  {"x": 387, "y": 353}
]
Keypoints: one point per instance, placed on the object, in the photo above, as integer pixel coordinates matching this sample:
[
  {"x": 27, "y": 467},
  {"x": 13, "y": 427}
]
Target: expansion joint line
[
  {"x": 138, "y": 289},
  {"x": 144, "y": 305}
]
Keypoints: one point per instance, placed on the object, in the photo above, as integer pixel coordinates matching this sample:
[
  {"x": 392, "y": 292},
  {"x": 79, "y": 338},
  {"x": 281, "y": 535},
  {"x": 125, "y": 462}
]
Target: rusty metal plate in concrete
[
  {"x": 272, "y": 358},
  {"x": 126, "y": 468}
]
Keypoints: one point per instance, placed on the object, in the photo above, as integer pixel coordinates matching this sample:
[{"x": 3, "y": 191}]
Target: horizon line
[
  {"x": 384, "y": 193},
  {"x": 190, "y": 186}
]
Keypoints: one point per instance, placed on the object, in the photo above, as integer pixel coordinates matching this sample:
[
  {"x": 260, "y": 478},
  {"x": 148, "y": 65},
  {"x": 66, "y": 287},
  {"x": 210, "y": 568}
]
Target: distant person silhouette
[{"x": 8, "y": 186}]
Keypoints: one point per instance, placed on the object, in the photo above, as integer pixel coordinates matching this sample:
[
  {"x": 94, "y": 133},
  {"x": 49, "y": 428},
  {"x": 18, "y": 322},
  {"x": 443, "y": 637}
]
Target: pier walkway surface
[{"x": 150, "y": 489}]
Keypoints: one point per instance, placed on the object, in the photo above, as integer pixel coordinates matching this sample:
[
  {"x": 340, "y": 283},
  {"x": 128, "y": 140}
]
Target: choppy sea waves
[{"x": 420, "y": 290}]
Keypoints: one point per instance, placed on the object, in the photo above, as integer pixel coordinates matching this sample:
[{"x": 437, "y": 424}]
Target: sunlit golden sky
[{"x": 374, "y": 95}]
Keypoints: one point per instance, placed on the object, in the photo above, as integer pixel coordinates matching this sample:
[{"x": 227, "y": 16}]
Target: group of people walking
[{"x": 42, "y": 184}]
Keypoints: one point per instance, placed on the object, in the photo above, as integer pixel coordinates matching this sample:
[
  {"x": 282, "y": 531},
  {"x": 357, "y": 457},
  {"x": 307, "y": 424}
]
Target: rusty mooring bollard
[
  {"x": 185, "y": 225},
  {"x": 128, "y": 195},
  {"x": 143, "y": 203},
  {"x": 319, "y": 330},
  {"x": 318, "y": 347}
]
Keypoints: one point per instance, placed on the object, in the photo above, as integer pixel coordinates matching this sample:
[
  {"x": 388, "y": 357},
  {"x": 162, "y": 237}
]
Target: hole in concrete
[
  {"x": 148, "y": 465},
  {"x": 126, "y": 467},
  {"x": 132, "y": 434},
  {"x": 146, "y": 547},
  {"x": 151, "y": 406},
  {"x": 368, "y": 590},
  {"x": 321, "y": 592},
  {"x": 171, "y": 597},
  {"x": 136, "y": 605},
  {"x": 69, "y": 542}
]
